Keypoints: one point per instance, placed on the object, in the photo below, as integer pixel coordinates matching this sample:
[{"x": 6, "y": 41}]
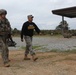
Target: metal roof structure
[{"x": 66, "y": 12}]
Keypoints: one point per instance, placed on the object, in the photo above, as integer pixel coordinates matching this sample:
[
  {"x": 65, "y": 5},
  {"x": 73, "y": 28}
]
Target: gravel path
[{"x": 48, "y": 43}]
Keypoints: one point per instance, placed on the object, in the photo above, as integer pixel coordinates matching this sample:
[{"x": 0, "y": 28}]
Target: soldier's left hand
[{"x": 22, "y": 40}]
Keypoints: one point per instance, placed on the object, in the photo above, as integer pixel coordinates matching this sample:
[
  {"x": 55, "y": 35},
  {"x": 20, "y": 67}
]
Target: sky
[{"x": 40, "y": 9}]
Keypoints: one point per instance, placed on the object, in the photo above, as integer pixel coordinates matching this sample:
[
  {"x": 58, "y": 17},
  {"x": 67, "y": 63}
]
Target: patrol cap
[
  {"x": 3, "y": 11},
  {"x": 30, "y": 16}
]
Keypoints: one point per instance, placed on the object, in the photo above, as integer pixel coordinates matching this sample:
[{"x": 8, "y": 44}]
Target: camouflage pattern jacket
[{"x": 5, "y": 27}]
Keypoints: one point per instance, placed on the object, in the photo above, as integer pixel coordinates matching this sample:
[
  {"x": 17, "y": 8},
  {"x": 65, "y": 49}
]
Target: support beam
[
  {"x": 62, "y": 25},
  {"x": 63, "y": 20}
]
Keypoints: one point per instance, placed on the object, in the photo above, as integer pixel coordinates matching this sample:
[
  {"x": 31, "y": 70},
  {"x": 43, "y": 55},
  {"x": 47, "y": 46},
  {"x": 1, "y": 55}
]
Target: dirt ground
[{"x": 50, "y": 63}]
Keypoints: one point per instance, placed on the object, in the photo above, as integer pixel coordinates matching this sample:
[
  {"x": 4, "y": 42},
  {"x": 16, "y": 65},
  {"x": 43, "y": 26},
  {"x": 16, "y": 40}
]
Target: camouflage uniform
[{"x": 4, "y": 31}]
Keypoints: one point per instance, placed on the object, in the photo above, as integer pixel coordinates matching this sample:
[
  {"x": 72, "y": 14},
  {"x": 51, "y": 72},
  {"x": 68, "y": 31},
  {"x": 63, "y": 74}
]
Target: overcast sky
[{"x": 41, "y": 9}]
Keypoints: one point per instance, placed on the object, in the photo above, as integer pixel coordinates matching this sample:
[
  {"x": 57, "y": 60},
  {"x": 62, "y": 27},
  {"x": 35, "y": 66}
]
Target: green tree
[
  {"x": 62, "y": 25},
  {"x": 16, "y": 32}
]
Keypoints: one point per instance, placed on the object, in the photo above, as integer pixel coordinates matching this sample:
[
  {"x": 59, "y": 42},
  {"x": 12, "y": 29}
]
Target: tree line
[
  {"x": 56, "y": 31},
  {"x": 16, "y": 32}
]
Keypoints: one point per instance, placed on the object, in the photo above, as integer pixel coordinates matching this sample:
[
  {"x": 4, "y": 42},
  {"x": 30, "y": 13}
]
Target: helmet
[{"x": 3, "y": 11}]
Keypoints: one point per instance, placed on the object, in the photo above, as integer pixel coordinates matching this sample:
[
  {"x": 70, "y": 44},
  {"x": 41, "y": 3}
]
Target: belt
[{"x": 4, "y": 33}]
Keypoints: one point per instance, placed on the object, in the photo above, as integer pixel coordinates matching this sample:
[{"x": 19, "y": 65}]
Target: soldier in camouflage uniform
[{"x": 4, "y": 31}]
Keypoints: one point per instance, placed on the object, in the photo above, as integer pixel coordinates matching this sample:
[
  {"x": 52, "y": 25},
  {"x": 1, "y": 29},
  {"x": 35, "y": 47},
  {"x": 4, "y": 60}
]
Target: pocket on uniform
[{"x": 1, "y": 44}]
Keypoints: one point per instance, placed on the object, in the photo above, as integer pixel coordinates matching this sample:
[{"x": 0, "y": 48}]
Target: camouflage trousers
[
  {"x": 29, "y": 48},
  {"x": 4, "y": 49}
]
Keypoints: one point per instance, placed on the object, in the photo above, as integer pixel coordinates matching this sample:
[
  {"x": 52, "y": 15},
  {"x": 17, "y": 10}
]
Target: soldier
[
  {"x": 27, "y": 32},
  {"x": 4, "y": 31}
]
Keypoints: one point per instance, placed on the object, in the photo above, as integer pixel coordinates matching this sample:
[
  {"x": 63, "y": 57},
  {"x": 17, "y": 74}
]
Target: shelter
[
  {"x": 66, "y": 12},
  {"x": 69, "y": 12}
]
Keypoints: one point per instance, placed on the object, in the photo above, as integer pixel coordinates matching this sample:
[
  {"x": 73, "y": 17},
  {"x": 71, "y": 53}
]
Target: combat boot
[
  {"x": 34, "y": 58},
  {"x": 26, "y": 58},
  {"x": 6, "y": 65}
]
